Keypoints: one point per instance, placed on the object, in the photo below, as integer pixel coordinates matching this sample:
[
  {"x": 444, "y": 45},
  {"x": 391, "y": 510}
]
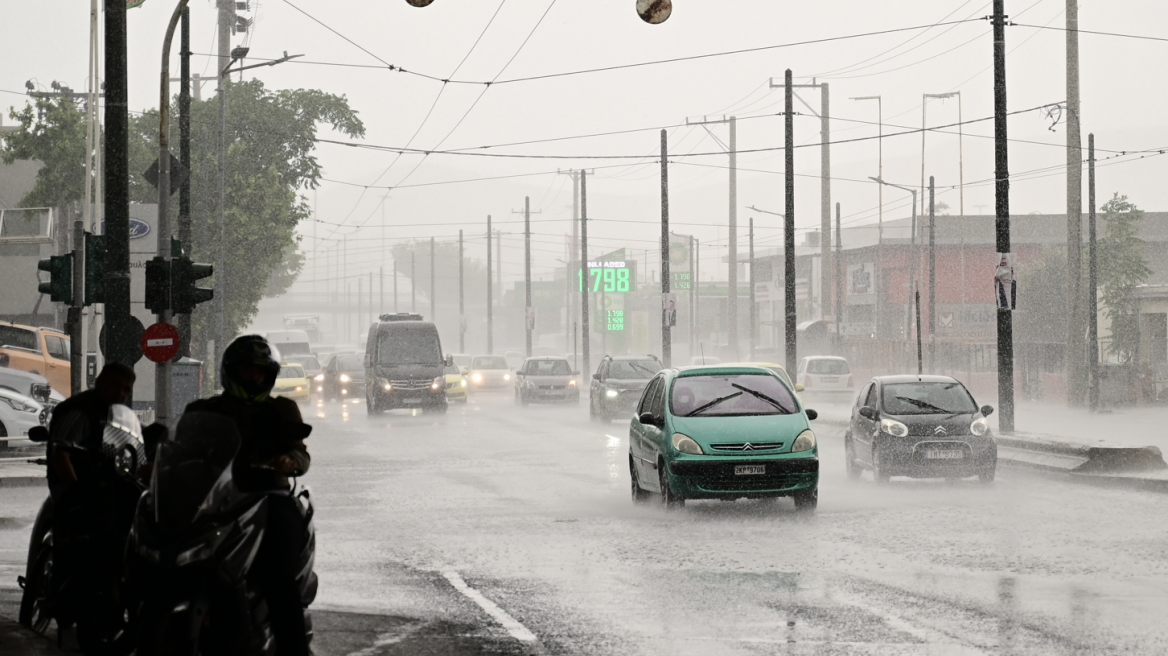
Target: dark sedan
[
  {"x": 921, "y": 427},
  {"x": 617, "y": 385},
  {"x": 343, "y": 377}
]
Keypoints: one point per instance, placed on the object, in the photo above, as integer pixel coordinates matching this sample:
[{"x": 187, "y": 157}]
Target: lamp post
[
  {"x": 912, "y": 258},
  {"x": 960, "y": 169}
]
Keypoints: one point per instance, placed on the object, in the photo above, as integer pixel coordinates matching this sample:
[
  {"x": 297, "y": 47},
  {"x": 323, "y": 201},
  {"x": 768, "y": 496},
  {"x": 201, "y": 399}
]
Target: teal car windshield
[
  {"x": 927, "y": 399},
  {"x": 731, "y": 395}
]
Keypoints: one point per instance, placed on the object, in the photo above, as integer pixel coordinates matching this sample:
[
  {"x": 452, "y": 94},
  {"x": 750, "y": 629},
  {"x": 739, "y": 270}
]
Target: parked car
[
  {"x": 34, "y": 386},
  {"x": 343, "y": 377},
  {"x": 489, "y": 372},
  {"x": 18, "y": 414},
  {"x": 292, "y": 382},
  {"x": 456, "y": 386},
  {"x": 825, "y": 374},
  {"x": 919, "y": 426},
  {"x": 545, "y": 379},
  {"x": 43, "y": 351},
  {"x": 722, "y": 432},
  {"x": 618, "y": 383}
]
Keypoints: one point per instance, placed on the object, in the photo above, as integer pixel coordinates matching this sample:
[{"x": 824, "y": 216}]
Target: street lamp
[
  {"x": 880, "y": 157},
  {"x": 960, "y": 170},
  {"x": 912, "y": 266}
]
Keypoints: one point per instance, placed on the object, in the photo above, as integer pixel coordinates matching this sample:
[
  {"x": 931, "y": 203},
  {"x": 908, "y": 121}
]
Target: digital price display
[
  {"x": 682, "y": 280},
  {"x": 616, "y": 320},
  {"x": 608, "y": 277}
]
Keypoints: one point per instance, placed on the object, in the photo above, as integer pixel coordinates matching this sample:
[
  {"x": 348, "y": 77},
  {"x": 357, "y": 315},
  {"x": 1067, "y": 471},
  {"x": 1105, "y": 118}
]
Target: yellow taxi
[
  {"x": 457, "y": 387},
  {"x": 293, "y": 383}
]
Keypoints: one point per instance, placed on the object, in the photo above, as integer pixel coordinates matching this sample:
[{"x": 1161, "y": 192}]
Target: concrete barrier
[{"x": 1039, "y": 452}]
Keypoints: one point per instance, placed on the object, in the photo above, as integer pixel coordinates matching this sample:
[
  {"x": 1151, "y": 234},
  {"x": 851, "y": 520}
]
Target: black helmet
[{"x": 253, "y": 350}]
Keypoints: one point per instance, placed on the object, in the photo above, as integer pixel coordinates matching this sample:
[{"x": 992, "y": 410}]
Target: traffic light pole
[
  {"x": 118, "y": 345},
  {"x": 184, "y": 150}
]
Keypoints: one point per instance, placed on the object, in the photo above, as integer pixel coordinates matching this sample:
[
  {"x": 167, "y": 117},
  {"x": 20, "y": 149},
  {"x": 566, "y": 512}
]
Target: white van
[{"x": 289, "y": 342}]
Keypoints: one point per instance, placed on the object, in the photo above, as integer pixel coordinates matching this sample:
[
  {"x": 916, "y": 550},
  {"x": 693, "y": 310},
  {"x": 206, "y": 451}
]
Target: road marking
[
  {"x": 517, "y": 630},
  {"x": 931, "y": 637},
  {"x": 386, "y": 639}
]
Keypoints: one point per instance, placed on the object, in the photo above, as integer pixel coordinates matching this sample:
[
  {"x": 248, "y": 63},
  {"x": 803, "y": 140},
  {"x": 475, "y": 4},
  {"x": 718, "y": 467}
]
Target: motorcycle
[
  {"x": 74, "y": 561},
  {"x": 192, "y": 548}
]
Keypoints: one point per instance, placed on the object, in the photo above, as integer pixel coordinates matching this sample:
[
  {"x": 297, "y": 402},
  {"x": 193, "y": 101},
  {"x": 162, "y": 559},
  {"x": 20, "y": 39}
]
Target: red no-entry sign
[{"x": 160, "y": 342}]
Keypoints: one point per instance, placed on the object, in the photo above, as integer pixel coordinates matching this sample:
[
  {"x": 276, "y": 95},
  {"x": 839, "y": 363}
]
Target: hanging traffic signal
[
  {"x": 60, "y": 284},
  {"x": 186, "y": 294},
  {"x": 158, "y": 281},
  {"x": 95, "y": 266}
]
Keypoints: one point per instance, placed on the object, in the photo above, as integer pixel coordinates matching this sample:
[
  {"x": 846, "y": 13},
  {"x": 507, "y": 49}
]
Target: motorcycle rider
[
  {"x": 75, "y": 431},
  {"x": 271, "y": 449}
]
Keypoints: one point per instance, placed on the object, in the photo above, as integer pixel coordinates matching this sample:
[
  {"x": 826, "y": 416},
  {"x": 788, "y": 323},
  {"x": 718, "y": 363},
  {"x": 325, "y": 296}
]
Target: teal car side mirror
[{"x": 811, "y": 414}]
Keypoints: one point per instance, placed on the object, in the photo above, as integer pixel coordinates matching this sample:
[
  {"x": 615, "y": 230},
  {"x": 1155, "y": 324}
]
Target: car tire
[
  {"x": 34, "y": 613},
  {"x": 669, "y": 499},
  {"x": 853, "y": 467},
  {"x": 639, "y": 494},
  {"x": 986, "y": 477},
  {"x": 806, "y": 501},
  {"x": 879, "y": 471}
]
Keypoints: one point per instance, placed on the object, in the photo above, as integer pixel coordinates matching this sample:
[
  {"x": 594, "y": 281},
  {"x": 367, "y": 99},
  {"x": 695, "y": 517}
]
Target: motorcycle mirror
[{"x": 38, "y": 434}]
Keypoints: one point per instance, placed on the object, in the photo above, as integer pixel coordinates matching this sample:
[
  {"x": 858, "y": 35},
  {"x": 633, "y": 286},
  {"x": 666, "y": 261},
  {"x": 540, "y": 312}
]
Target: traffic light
[
  {"x": 95, "y": 266},
  {"x": 186, "y": 294},
  {"x": 60, "y": 284},
  {"x": 158, "y": 280}
]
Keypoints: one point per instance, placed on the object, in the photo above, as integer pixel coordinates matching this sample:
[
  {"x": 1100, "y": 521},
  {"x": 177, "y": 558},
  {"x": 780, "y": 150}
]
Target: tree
[
  {"x": 53, "y": 132},
  {"x": 1122, "y": 268}
]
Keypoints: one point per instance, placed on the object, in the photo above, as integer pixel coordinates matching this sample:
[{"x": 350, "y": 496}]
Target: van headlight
[
  {"x": 438, "y": 383},
  {"x": 805, "y": 442},
  {"x": 686, "y": 444},
  {"x": 893, "y": 428},
  {"x": 477, "y": 377},
  {"x": 979, "y": 426},
  {"x": 345, "y": 378},
  {"x": 506, "y": 376},
  {"x": 319, "y": 377}
]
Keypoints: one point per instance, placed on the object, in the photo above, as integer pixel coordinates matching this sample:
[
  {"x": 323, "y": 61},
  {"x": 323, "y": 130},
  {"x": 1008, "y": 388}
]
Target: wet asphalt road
[{"x": 504, "y": 530}]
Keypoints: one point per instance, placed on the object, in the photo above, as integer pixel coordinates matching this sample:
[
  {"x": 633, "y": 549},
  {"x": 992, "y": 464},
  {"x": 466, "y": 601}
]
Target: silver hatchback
[{"x": 546, "y": 379}]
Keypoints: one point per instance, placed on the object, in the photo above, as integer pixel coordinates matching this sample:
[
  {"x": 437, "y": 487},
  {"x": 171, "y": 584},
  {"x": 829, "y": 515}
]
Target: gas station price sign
[
  {"x": 682, "y": 280},
  {"x": 616, "y": 320},
  {"x": 610, "y": 277}
]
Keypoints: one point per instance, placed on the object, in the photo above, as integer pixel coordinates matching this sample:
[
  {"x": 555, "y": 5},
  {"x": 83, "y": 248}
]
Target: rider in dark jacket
[{"x": 271, "y": 449}]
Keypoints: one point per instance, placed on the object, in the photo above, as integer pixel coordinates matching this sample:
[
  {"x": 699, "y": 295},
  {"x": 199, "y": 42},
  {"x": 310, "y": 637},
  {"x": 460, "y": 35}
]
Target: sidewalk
[
  {"x": 21, "y": 474},
  {"x": 1135, "y": 426}
]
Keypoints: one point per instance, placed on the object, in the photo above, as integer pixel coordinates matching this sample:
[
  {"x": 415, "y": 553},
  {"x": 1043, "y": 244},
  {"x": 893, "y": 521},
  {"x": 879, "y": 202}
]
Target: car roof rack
[{"x": 401, "y": 316}]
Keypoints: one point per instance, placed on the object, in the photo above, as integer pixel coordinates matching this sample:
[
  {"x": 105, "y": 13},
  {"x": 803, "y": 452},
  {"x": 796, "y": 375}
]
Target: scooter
[
  {"x": 193, "y": 545},
  {"x": 73, "y": 569}
]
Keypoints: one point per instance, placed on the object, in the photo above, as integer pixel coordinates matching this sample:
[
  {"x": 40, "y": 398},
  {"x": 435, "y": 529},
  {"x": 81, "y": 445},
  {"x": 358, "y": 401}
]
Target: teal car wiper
[
  {"x": 714, "y": 403},
  {"x": 764, "y": 397}
]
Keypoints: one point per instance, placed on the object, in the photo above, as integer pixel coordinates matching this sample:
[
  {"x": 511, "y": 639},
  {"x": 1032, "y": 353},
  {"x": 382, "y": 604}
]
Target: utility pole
[
  {"x": 912, "y": 264},
  {"x": 527, "y": 319},
  {"x": 878, "y": 272},
  {"x": 184, "y": 156},
  {"x": 753, "y": 304},
  {"x": 414, "y": 279},
  {"x": 395, "y": 306},
  {"x": 490, "y": 295},
  {"x": 960, "y": 169},
  {"x": 585, "y": 332},
  {"x": 932, "y": 281},
  {"x": 1002, "y": 221},
  {"x": 697, "y": 307},
  {"x": 839, "y": 282},
  {"x": 461, "y": 301},
  {"x": 666, "y": 334},
  {"x": 226, "y": 19},
  {"x": 789, "y": 224},
  {"x": 573, "y": 248},
  {"x": 693, "y": 308},
  {"x": 1092, "y": 282},
  {"x": 433, "y": 287},
  {"x": 120, "y": 333},
  {"x": 380, "y": 291},
  {"x": 1075, "y": 354},
  {"x": 732, "y": 235},
  {"x": 824, "y": 115}
]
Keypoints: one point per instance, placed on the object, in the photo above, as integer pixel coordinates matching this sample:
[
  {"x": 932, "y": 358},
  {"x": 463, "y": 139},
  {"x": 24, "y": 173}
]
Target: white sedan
[{"x": 18, "y": 413}]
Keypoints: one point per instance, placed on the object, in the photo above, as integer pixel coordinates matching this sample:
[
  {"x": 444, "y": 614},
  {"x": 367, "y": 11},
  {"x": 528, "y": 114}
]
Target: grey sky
[{"x": 46, "y": 40}]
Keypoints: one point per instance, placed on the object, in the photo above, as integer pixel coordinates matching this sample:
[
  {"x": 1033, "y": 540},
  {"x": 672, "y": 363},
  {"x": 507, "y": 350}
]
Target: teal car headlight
[
  {"x": 805, "y": 442},
  {"x": 686, "y": 444}
]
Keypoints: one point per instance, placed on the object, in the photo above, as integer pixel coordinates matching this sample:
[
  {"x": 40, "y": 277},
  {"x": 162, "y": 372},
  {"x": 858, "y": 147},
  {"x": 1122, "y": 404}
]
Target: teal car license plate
[{"x": 749, "y": 470}]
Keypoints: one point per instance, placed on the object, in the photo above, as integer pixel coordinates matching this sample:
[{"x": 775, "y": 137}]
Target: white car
[
  {"x": 826, "y": 374},
  {"x": 18, "y": 413}
]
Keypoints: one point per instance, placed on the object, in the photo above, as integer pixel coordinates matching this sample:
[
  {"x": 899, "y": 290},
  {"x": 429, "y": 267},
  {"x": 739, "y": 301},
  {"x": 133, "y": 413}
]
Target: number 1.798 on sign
[{"x": 608, "y": 277}]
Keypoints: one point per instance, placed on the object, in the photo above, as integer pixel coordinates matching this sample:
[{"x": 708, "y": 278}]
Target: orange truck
[{"x": 43, "y": 351}]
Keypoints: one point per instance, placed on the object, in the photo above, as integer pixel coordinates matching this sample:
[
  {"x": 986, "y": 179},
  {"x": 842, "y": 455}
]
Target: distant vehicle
[
  {"x": 514, "y": 358},
  {"x": 699, "y": 360},
  {"x": 456, "y": 385},
  {"x": 618, "y": 383},
  {"x": 825, "y": 374},
  {"x": 546, "y": 351},
  {"x": 919, "y": 426},
  {"x": 778, "y": 369},
  {"x": 462, "y": 360},
  {"x": 292, "y": 382},
  {"x": 309, "y": 323},
  {"x": 722, "y": 433},
  {"x": 546, "y": 379},
  {"x": 310, "y": 363},
  {"x": 343, "y": 377},
  {"x": 43, "y": 351},
  {"x": 289, "y": 342},
  {"x": 489, "y": 372},
  {"x": 18, "y": 413},
  {"x": 404, "y": 366}
]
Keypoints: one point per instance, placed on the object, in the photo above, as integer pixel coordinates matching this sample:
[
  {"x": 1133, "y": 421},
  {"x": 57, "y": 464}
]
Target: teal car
[{"x": 722, "y": 432}]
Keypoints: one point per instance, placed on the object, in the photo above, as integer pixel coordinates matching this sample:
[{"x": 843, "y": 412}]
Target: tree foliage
[
  {"x": 1121, "y": 268},
  {"x": 53, "y": 132}
]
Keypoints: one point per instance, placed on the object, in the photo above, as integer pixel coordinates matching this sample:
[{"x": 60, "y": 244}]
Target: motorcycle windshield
[
  {"x": 188, "y": 465},
  {"x": 121, "y": 438}
]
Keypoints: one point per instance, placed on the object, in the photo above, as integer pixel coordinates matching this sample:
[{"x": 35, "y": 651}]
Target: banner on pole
[{"x": 1005, "y": 284}]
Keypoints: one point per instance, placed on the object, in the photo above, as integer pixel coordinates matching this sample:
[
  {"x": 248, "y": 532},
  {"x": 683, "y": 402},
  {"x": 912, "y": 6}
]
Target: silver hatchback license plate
[
  {"x": 944, "y": 454},
  {"x": 749, "y": 470},
  {"x": 411, "y": 401}
]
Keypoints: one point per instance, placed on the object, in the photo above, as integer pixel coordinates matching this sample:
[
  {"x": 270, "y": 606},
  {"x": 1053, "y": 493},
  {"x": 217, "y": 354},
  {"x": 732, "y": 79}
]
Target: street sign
[
  {"x": 178, "y": 174},
  {"x": 160, "y": 342}
]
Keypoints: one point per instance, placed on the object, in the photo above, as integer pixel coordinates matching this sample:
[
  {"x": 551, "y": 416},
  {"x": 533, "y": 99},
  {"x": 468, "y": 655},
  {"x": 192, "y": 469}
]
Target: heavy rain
[{"x": 532, "y": 327}]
